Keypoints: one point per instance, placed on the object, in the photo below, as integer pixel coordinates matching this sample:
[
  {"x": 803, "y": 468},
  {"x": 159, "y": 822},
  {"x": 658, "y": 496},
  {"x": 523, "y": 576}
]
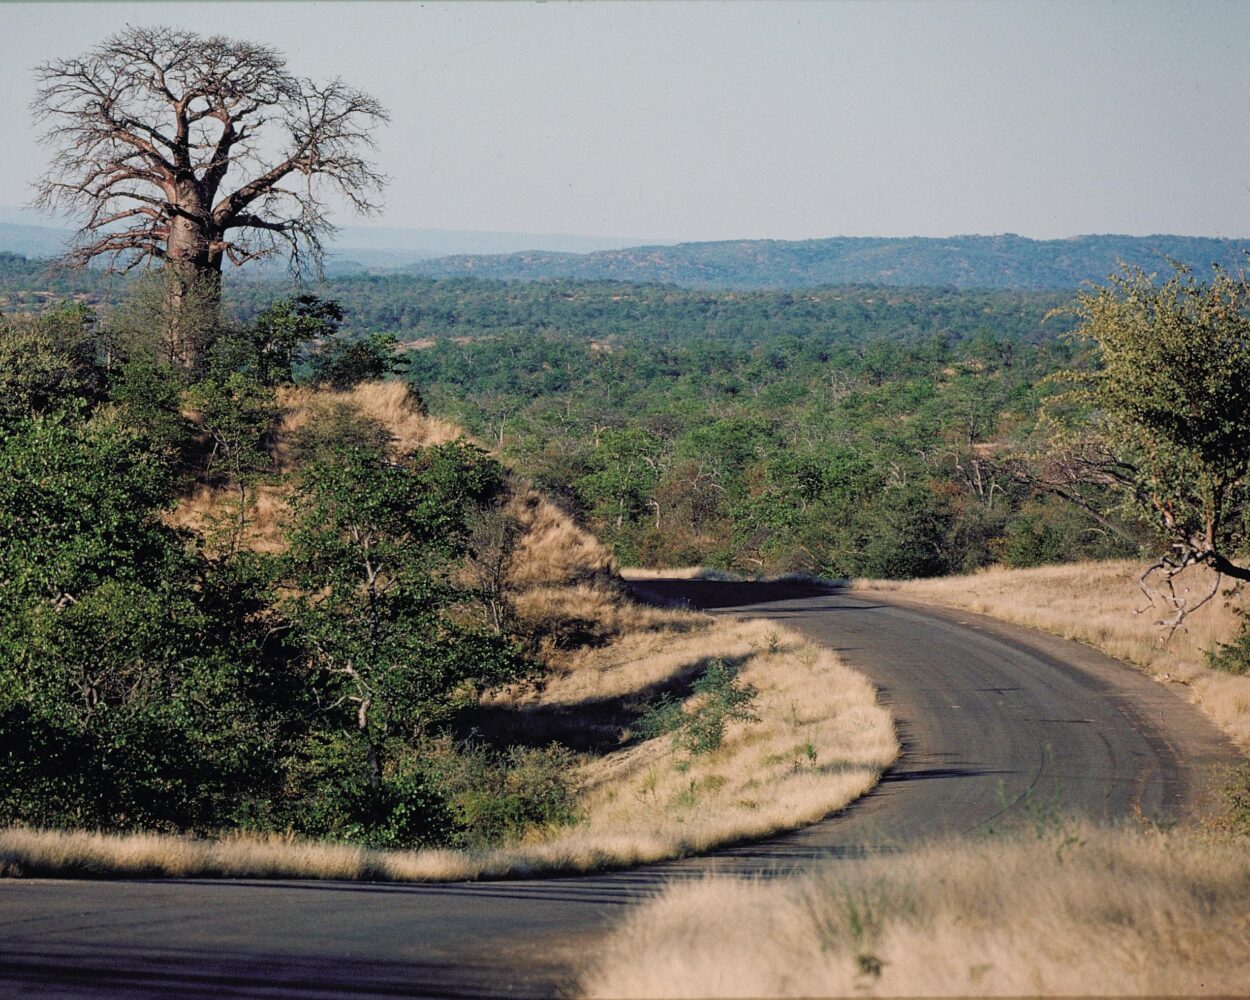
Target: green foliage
[
  {"x": 151, "y": 681},
  {"x": 279, "y": 335},
  {"x": 1169, "y": 405},
  {"x": 699, "y": 727},
  {"x": 624, "y": 471},
  {"x": 720, "y": 699},
  {"x": 1232, "y": 657},
  {"x": 662, "y": 716},
  {"x": 77, "y": 507},
  {"x": 497, "y": 797},
  {"x": 341, "y": 365},
  {"x": 371, "y": 601}
]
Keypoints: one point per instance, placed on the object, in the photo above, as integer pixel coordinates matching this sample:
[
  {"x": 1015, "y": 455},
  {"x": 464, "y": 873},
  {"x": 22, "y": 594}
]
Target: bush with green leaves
[
  {"x": 497, "y": 796},
  {"x": 132, "y": 682},
  {"x": 47, "y": 363},
  {"x": 343, "y": 364},
  {"x": 698, "y": 726},
  {"x": 1232, "y": 657}
]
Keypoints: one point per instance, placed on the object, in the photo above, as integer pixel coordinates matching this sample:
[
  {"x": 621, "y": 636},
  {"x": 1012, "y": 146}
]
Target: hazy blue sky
[{"x": 720, "y": 120}]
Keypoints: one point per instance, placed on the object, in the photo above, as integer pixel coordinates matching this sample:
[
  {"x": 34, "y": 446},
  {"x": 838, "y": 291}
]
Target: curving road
[{"x": 997, "y": 722}]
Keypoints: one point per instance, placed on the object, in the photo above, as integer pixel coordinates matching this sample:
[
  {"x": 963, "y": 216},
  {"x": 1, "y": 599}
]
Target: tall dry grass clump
[
  {"x": 1101, "y": 604},
  {"x": 1086, "y": 911},
  {"x": 391, "y": 404}
]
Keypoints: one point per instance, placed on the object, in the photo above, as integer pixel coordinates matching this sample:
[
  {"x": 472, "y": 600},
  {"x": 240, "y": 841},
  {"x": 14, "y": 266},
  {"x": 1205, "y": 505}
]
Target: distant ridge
[
  {"x": 988, "y": 262},
  {"x": 963, "y": 262}
]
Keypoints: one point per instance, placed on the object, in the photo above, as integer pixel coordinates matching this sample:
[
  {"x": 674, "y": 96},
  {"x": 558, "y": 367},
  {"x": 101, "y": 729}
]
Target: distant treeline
[
  {"x": 967, "y": 262},
  {"x": 418, "y": 308}
]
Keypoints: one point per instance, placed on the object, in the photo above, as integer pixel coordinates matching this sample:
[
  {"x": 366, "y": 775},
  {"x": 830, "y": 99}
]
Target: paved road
[{"x": 997, "y": 722}]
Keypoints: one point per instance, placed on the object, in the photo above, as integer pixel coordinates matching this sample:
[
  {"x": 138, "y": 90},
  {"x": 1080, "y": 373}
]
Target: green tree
[
  {"x": 281, "y": 332},
  {"x": 47, "y": 362},
  {"x": 1162, "y": 420},
  {"x": 626, "y": 469},
  {"x": 373, "y": 609}
]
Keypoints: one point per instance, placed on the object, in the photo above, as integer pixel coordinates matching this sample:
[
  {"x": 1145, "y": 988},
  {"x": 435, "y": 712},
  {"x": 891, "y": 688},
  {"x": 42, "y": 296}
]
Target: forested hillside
[
  {"x": 1006, "y": 261},
  {"x": 965, "y": 262}
]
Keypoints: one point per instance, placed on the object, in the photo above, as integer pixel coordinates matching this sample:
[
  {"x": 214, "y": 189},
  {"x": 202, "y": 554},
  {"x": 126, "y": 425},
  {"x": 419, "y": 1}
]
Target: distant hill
[
  {"x": 983, "y": 262},
  {"x": 354, "y": 248},
  {"x": 957, "y": 262},
  {"x": 33, "y": 241}
]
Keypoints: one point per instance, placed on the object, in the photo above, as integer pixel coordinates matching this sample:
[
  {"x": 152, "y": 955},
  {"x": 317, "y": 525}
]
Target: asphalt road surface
[{"x": 997, "y": 723}]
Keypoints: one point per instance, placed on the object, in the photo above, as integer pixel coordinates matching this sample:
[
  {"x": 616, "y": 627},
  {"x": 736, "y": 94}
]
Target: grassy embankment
[
  {"x": 1073, "y": 911},
  {"x": 818, "y": 741}
]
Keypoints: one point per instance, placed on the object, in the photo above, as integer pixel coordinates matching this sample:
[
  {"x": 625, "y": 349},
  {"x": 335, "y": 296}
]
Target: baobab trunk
[{"x": 192, "y": 289}]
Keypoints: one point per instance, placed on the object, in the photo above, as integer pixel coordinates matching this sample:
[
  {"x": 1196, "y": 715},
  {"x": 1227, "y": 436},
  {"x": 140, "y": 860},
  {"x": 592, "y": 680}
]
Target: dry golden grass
[
  {"x": 1095, "y": 603},
  {"x": 389, "y": 403},
  {"x": 676, "y": 573},
  {"x": 821, "y": 741},
  {"x": 552, "y": 548},
  {"x": 1112, "y": 912}
]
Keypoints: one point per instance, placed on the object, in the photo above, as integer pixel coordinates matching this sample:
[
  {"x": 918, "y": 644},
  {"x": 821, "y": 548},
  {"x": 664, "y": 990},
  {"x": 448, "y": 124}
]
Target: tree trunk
[{"x": 192, "y": 288}]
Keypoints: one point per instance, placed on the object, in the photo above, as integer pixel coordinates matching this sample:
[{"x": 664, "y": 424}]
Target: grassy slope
[{"x": 1068, "y": 911}]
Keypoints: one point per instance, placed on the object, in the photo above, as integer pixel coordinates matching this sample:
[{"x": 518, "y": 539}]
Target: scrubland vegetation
[
  {"x": 269, "y": 602},
  {"x": 1062, "y": 910},
  {"x": 815, "y": 740}
]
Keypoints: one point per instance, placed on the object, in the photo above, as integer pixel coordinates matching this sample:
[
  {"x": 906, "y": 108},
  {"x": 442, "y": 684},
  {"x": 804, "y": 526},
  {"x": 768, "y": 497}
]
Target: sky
[{"x": 718, "y": 120}]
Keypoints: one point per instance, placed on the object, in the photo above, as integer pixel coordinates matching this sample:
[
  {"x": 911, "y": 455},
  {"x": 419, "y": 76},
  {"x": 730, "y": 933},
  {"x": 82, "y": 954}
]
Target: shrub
[
  {"x": 721, "y": 701},
  {"x": 496, "y": 798},
  {"x": 718, "y": 700},
  {"x": 662, "y": 716},
  {"x": 1232, "y": 657}
]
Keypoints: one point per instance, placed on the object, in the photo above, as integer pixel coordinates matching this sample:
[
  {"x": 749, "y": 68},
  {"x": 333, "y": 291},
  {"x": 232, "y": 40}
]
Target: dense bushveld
[{"x": 844, "y": 431}]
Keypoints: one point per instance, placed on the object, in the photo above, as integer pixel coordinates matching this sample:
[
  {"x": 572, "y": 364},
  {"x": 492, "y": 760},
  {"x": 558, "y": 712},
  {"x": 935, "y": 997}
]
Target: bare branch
[{"x": 151, "y": 122}]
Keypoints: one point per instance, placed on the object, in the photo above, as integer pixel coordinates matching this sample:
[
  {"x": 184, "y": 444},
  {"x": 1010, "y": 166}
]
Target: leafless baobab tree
[{"x": 189, "y": 151}]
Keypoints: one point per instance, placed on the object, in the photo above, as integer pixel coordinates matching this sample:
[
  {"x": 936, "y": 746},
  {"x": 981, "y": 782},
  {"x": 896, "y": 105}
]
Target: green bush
[
  {"x": 497, "y": 797},
  {"x": 1232, "y": 657},
  {"x": 662, "y": 716},
  {"x": 718, "y": 700},
  {"x": 721, "y": 701}
]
